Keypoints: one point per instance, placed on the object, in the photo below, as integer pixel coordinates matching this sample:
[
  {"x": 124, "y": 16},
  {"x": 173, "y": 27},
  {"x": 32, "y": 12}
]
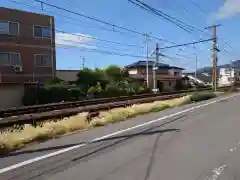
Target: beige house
[{"x": 166, "y": 75}]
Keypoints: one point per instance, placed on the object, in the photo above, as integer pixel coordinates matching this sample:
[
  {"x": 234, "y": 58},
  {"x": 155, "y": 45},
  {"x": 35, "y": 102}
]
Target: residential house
[{"x": 166, "y": 75}]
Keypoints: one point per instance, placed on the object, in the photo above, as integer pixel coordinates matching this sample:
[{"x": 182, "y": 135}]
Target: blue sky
[{"x": 125, "y": 14}]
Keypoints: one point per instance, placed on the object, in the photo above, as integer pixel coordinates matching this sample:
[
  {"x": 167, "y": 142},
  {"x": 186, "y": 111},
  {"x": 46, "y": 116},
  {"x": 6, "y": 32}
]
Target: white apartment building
[{"x": 226, "y": 76}]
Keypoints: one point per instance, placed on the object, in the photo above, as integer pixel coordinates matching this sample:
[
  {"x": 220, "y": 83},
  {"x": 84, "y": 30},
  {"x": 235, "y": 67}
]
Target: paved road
[{"x": 192, "y": 142}]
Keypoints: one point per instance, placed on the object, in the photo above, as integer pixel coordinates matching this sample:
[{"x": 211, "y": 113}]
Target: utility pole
[
  {"x": 147, "y": 67},
  {"x": 52, "y": 49},
  {"x": 214, "y": 56},
  {"x": 83, "y": 62},
  {"x": 155, "y": 67},
  {"x": 196, "y": 62},
  {"x": 196, "y": 66},
  {"x": 232, "y": 73}
]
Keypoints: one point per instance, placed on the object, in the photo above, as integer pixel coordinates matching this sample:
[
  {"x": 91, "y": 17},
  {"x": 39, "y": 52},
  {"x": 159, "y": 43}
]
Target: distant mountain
[{"x": 236, "y": 64}]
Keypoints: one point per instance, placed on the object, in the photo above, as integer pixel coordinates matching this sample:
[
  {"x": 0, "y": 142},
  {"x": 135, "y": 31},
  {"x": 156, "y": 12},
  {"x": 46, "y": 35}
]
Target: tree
[
  {"x": 114, "y": 73},
  {"x": 113, "y": 90},
  {"x": 86, "y": 78},
  {"x": 102, "y": 78}
]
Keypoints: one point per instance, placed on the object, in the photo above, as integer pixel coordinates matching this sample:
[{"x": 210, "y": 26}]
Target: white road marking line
[
  {"x": 216, "y": 173},
  {"x": 30, "y": 161}
]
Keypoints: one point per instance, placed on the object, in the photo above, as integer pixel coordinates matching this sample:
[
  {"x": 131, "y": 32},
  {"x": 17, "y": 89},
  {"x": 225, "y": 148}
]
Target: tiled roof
[
  {"x": 175, "y": 67},
  {"x": 143, "y": 63},
  {"x": 150, "y": 64}
]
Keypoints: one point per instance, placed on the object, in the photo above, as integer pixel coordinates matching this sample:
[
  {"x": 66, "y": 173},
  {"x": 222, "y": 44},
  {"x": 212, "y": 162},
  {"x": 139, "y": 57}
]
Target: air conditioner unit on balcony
[{"x": 17, "y": 69}]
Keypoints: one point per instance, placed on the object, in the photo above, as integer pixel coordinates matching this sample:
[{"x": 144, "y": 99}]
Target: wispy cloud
[
  {"x": 228, "y": 9},
  {"x": 74, "y": 39}
]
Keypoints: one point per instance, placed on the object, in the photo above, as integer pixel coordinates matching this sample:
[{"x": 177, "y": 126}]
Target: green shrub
[
  {"x": 30, "y": 96},
  {"x": 57, "y": 93},
  {"x": 92, "y": 90},
  {"x": 113, "y": 90},
  {"x": 95, "y": 92},
  {"x": 43, "y": 95},
  {"x": 201, "y": 96},
  {"x": 76, "y": 93}
]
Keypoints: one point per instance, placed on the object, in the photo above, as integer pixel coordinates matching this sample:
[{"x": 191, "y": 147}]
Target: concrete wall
[
  {"x": 175, "y": 72},
  {"x": 67, "y": 75},
  {"x": 11, "y": 95},
  {"x": 168, "y": 85}
]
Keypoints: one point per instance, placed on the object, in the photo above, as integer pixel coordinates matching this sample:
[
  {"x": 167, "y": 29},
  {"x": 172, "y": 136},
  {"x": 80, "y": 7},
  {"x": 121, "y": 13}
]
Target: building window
[
  {"x": 230, "y": 79},
  {"x": 10, "y": 59},
  {"x": 43, "y": 60},
  {"x": 175, "y": 73},
  {"x": 41, "y": 32},
  {"x": 170, "y": 83},
  {"x": 9, "y": 27},
  {"x": 143, "y": 71}
]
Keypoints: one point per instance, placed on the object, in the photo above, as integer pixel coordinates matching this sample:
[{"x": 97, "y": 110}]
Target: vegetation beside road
[
  {"x": 91, "y": 83},
  {"x": 14, "y": 139},
  {"x": 112, "y": 81}
]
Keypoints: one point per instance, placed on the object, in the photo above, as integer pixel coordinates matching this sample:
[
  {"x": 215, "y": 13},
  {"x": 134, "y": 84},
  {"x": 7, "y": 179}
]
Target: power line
[
  {"x": 86, "y": 49},
  {"x": 68, "y": 17},
  {"x": 98, "y": 38},
  {"x": 114, "y": 30},
  {"x": 96, "y": 45},
  {"x": 186, "y": 44},
  {"x": 227, "y": 44},
  {"x": 171, "y": 19},
  {"x": 90, "y": 37},
  {"x": 70, "y": 46},
  {"x": 102, "y": 39},
  {"x": 198, "y": 7},
  {"x": 154, "y": 12},
  {"x": 94, "y": 38},
  {"x": 166, "y": 47},
  {"x": 186, "y": 27},
  {"x": 100, "y": 21},
  {"x": 101, "y": 51},
  {"x": 164, "y": 15},
  {"x": 205, "y": 12},
  {"x": 174, "y": 58},
  {"x": 75, "y": 4}
]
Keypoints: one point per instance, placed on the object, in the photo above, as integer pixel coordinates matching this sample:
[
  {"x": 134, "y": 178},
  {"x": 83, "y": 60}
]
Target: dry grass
[{"x": 50, "y": 129}]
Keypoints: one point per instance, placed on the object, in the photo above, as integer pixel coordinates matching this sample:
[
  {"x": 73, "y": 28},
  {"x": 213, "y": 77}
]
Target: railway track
[
  {"x": 34, "y": 118},
  {"x": 63, "y": 105},
  {"x": 75, "y": 108}
]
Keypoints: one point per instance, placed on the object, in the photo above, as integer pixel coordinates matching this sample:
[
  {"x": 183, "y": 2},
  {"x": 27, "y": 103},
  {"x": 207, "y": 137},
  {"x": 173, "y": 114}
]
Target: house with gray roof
[{"x": 166, "y": 75}]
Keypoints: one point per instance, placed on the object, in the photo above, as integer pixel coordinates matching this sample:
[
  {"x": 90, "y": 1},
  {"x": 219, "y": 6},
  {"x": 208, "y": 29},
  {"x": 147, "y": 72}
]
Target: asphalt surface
[{"x": 200, "y": 144}]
